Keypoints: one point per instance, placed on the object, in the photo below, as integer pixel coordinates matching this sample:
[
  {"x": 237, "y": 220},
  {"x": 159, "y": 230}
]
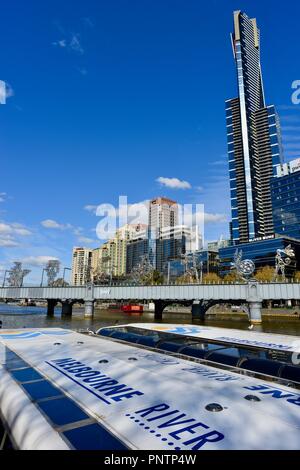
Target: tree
[
  {"x": 209, "y": 278},
  {"x": 153, "y": 278},
  {"x": 60, "y": 282},
  {"x": 143, "y": 271},
  {"x": 232, "y": 277},
  {"x": 184, "y": 279},
  {"x": 17, "y": 274},
  {"x": 265, "y": 274},
  {"x": 52, "y": 270}
]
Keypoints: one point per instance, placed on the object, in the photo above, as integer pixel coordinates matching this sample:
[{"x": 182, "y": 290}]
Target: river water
[{"x": 13, "y": 316}]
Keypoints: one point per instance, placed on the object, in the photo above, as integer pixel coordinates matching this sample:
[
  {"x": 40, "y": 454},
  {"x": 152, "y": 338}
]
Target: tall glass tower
[{"x": 254, "y": 139}]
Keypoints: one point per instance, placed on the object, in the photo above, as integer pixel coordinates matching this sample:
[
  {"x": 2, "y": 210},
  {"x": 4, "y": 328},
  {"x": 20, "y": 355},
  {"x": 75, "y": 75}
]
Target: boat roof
[
  {"x": 60, "y": 389},
  {"x": 226, "y": 335}
]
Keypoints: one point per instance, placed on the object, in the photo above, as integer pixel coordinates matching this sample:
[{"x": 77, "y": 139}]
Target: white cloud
[
  {"x": 77, "y": 230},
  {"x": 130, "y": 213},
  {"x": 82, "y": 71},
  {"x": 173, "y": 183},
  {"x": 9, "y": 232},
  {"x": 8, "y": 242},
  {"x": 86, "y": 240},
  {"x": 90, "y": 208},
  {"x": 9, "y": 91},
  {"x": 75, "y": 44},
  {"x": 62, "y": 43},
  {"x": 52, "y": 224},
  {"x": 3, "y": 197},
  {"x": 38, "y": 260},
  {"x": 72, "y": 43},
  {"x": 14, "y": 229},
  {"x": 6, "y": 91},
  {"x": 5, "y": 228},
  {"x": 214, "y": 218},
  {"x": 88, "y": 22},
  {"x": 219, "y": 162}
]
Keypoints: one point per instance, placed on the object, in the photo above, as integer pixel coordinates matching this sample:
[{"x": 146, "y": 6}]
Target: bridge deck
[{"x": 255, "y": 292}]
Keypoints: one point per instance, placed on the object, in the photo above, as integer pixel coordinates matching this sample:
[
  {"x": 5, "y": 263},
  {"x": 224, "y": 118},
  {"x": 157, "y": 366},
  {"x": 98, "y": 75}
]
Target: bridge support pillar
[
  {"x": 255, "y": 312},
  {"x": 51, "y": 304},
  {"x": 158, "y": 310},
  {"x": 198, "y": 311},
  {"x": 66, "y": 308},
  {"x": 88, "y": 308}
]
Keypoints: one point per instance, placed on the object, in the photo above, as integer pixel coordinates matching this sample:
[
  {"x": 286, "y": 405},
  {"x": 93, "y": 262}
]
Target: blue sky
[{"x": 108, "y": 96}]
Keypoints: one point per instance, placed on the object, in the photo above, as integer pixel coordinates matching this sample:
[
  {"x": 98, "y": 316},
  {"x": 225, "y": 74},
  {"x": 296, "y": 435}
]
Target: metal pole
[
  {"x": 3, "y": 283},
  {"x": 65, "y": 269},
  {"x": 6, "y": 271},
  {"x": 169, "y": 271},
  {"x": 42, "y": 278}
]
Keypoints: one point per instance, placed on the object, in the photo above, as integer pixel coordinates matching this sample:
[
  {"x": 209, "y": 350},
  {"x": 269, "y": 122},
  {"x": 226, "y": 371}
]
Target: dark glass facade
[
  {"x": 159, "y": 251},
  {"x": 253, "y": 138},
  {"x": 286, "y": 204},
  {"x": 262, "y": 253},
  {"x": 169, "y": 249},
  {"x": 135, "y": 251},
  {"x": 176, "y": 268}
]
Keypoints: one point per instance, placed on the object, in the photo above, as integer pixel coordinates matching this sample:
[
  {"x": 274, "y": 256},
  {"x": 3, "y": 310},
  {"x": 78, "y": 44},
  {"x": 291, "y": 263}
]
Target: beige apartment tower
[
  {"x": 81, "y": 265},
  {"x": 110, "y": 259}
]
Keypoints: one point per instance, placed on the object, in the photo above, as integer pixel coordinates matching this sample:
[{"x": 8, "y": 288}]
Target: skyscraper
[
  {"x": 163, "y": 213},
  {"x": 254, "y": 138},
  {"x": 285, "y": 188},
  {"x": 110, "y": 258},
  {"x": 81, "y": 264}
]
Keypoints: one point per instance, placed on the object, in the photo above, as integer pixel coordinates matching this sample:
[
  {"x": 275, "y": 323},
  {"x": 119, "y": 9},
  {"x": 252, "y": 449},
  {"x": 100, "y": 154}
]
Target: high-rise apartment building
[
  {"x": 285, "y": 187},
  {"x": 163, "y": 213},
  {"x": 110, "y": 259},
  {"x": 254, "y": 138},
  {"x": 81, "y": 266},
  {"x": 172, "y": 243}
]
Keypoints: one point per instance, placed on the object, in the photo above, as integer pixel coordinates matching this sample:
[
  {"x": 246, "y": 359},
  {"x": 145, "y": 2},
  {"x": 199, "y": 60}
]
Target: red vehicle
[{"x": 133, "y": 309}]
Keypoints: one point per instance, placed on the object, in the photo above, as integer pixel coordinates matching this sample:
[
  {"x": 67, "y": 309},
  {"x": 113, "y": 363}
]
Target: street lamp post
[
  {"x": 66, "y": 269},
  {"x": 112, "y": 267},
  {"x": 201, "y": 272},
  {"x": 41, "y": 285}
]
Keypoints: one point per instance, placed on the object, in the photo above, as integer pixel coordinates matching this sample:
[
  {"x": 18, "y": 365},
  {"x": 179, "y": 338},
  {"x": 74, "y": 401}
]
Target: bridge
[{"x": 199, "y": 297}]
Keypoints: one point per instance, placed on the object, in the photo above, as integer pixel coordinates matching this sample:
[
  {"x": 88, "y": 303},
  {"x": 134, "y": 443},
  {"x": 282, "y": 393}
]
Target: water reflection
[{"x": 35, "y": 317}]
